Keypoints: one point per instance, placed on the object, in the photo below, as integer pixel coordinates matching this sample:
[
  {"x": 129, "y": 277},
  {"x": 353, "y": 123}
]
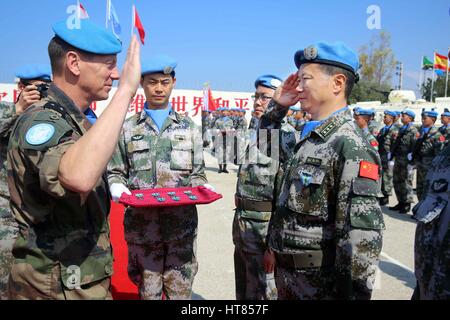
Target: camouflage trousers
[
  {"x": 403, "y": 182},
  {"x": 386, "y": 182},
  {"x": 421, "y": 181},
  {"x": 252, "y": 282},
  {"x": 8, "y": 235},
  {"x": 26, "y": 285},
  {"x": 168, "y": 267}
]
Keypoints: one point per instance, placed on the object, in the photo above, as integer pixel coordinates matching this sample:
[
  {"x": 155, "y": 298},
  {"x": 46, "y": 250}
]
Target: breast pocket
[
  {"x": 430, "y": 208},
  {"x": 262, "y": 173},
  {"x": 140, "y": 155},
  {"x": 307, "y": 192},
  {"x": 181, "y": 155}
]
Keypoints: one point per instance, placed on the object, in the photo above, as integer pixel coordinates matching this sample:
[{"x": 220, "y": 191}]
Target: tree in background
[
  {"x": 438, "y": 89},
  {"x": 377, "y": 67}
]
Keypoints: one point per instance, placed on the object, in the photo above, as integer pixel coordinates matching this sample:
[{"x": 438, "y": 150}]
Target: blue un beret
[
  {"x": 34, "y": 72},
  {"x": 268, "y": 81},
  {"x": 88, "y": 37},
  {"x": 409, "y": 112},
  {"x": 158, "y": 64},
  {"x": 398, "y": 113},
  {"x": 358, "y": 111},
  {"x": 333, "y": 54},
  {"x": 390, "y": 113},
  {"x": 446, "y": 113},
  {"x": 295, "y": 108},
  {"x": 430, "y": 113}
]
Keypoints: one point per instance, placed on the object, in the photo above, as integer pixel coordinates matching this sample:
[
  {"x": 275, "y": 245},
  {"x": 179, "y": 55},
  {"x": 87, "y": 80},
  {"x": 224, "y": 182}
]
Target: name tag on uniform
[
  {"x": 314, "y": 161},
  {"x": 180, "y": 137},
  {"x": 137, "y": 137}
]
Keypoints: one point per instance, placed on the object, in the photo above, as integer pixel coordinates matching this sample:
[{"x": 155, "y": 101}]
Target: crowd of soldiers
[{"x": 311, "y": 181}]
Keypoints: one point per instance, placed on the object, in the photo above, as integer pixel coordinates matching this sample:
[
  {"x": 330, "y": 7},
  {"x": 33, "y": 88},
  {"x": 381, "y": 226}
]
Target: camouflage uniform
[
  {"x": 432, "y": 241},
  {"x": 326, "y": 231},
  {"x": 385, "y": 139},
  {"x": 374, "y": 128},
  {"x": 161, "y": 241},
  {"x": 254, "y": 204},
  {"x": 403, "y": 145},
  {"x": 427, "y": 147},
  {"x": 371, "y": 139},
  {"x": 224, "y": 140},
  {"x": 63, "y": 250},
  {"x": 445, "y": 131},
  {"x": 8, "y": 225}
]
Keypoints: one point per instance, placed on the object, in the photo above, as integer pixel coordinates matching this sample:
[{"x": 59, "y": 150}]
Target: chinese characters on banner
[{"x": 183, "y": 101}]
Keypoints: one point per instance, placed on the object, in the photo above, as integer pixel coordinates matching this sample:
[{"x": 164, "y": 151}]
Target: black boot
[
  {"x": 405, "y": 209},
  {"x": 220, "y": 169},
  {"x": 396, "y": 207},
  {"x": 384, "y": 201},
  {"x": 225, "y": 169}
]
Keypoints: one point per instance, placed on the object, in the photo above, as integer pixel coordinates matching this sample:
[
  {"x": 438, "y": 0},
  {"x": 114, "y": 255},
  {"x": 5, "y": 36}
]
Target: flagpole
[
  {"x": 132, "y": 20},
  {"x": 78, "y": 10},
  {"x": 446, "y": 77},
  {"x": 432, "y": 78},
  {"x": 420, "y": 74}
]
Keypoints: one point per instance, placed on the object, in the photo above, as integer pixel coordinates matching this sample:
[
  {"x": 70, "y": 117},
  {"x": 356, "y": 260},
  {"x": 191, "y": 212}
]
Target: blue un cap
[
  {"x": 391, "y": 113},
  {"x": 409, "y": 112},
  {"x": 269, "y": 81},
  {"x": 88, "y": 37},
  {"x": 158, "y": 64},
  {"x": 446, "y": 113},
  {"x": 334, "y": 54},
  {"x": 430, "y": 113},
  {"x": 34, "y": 72},
  {"x": 358, "y": 111}
]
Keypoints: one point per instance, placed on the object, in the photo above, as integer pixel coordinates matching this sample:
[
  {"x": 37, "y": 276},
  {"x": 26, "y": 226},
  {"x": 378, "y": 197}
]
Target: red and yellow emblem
[{"x": 368, "y": 170}]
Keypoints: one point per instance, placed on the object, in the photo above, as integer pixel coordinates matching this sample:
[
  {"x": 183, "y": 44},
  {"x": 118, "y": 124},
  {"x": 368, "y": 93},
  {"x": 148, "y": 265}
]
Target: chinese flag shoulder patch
[
  {"x": 374, "y": 143},
  {"x": 441, "y": 138},
  {"x": 368, "y": 170}
]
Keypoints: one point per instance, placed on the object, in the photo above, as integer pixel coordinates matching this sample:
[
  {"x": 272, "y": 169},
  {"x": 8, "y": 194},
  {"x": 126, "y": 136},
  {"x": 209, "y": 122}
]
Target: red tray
[{"x": 169, "y": 197}]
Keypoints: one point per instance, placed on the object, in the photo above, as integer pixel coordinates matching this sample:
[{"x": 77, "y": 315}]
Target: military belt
[
  {"x": 252, "y": 205},
  {"x": 305, "y": 259}
]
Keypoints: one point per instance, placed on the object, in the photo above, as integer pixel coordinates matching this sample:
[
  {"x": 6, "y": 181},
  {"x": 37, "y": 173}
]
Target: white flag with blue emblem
[{"x": 112, "y": 19}]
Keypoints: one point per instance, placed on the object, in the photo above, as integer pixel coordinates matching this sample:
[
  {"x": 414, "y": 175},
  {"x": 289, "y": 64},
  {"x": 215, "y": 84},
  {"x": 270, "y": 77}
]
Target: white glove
[
  {"x": 389, "y": 156},
  {"x": 409, "y": 156},
  {"x": 410, "y": 168},
  {"x": 116, "y": 191},
  {"x": 391, "y": 164},
  {"x": 209, "y": 187}
]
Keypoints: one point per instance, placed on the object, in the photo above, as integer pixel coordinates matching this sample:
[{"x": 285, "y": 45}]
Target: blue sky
[{"x": 230, "y": 43}]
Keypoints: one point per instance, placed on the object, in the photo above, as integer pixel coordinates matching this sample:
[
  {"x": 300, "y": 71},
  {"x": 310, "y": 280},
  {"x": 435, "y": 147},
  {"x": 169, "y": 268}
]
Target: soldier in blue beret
[
  {"x": 362, "y": 119},
  {"x": 386, "y": 138},
  {"x": 159, "y": 148},
  {"x": 325, "y": 235},
  {"x": 402, "y": 154},
  {"x": 445, "y": 129},
  {"x": 429, "y": 144},
  {"x": 31, "y": 78},
  {"x": 59, "y": 192}
]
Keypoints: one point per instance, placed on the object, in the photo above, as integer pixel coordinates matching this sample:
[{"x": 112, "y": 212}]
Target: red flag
[
  {"x": 211, "y": 104},
  {"x": 368, "y": 170},
  {"x": 138, "y": 25}
]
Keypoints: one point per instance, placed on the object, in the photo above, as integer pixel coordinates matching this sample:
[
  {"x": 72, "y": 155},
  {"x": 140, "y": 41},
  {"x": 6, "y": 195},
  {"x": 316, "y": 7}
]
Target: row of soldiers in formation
[{"x": 307, "y": 225}]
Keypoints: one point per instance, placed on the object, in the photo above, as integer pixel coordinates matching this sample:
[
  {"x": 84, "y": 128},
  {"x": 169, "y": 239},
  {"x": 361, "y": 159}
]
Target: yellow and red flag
[{"x": 440, "y": 62}]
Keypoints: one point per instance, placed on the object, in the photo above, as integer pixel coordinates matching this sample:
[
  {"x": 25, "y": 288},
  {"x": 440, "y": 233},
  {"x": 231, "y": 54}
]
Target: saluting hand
[
  {"x": 287, "y": 94},
  {"x": 131, "y": 72},
  {"x": 27, "y": 97}
]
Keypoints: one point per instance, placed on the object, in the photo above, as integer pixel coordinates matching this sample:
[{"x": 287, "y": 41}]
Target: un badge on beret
[
  {"x": 168, "y": 70},
  {"x": 275, "y": 82},
  {"x": 310, "y": 53}
]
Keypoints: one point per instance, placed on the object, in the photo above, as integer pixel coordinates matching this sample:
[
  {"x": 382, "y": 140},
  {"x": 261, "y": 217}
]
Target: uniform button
[{"x": 108, "y": 269}]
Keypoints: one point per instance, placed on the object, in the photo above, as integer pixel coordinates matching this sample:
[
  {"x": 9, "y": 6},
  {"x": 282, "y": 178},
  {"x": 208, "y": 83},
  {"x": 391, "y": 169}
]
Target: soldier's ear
[
  {"x": 339, "y": 81},
  {"x": 73, "y": 60},
  {"x": 174, "y": 81}
]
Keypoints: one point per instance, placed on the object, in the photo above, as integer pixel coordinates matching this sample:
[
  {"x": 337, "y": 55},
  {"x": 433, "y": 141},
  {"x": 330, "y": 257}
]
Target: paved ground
[{"x": 215, "y": 278}]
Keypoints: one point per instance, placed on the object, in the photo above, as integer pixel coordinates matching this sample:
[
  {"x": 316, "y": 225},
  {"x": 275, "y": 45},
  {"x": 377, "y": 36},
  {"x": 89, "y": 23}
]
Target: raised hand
[
  {"x": 287, "y": 94},
  {"x": 131, "y": 72}
]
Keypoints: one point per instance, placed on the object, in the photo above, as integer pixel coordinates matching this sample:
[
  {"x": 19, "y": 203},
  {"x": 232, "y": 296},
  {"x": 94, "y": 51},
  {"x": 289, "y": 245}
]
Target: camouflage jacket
[
  {"x": 328, "y": 202},
  {"x": 374, "y": 128},
  {"x": 404, "y": 143},
  {"x": 371, "y": 139},
  {"x": 385, "y": 139},
  {"x": 224, "y": 123},
  {"x": 8, "y": 118},
  {"x": 147, "y": 158},
  {"x": 57, "y": 226},
  {"x": 428, "y": 146},
  {"x": 445, "y": 131},
  {"x": 432, "y": 241}
]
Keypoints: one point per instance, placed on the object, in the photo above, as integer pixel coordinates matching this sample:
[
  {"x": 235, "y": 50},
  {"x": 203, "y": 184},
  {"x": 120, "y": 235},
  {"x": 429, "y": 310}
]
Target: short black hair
[
  {"x": 57, "y": 49},
  {"x": 333, "y": 70}
]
